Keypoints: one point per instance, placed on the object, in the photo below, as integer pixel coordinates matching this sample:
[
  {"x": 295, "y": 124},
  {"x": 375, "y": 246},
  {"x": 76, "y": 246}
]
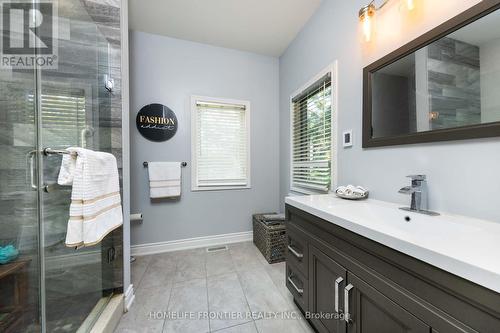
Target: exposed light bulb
[
  {"x": 366, "y": 15},
  {"x": 367, "y": 28},
  {"x": 410, "y": 4}
]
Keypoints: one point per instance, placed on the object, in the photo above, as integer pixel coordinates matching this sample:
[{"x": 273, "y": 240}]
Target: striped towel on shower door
[{"x": 95, "y": 208}]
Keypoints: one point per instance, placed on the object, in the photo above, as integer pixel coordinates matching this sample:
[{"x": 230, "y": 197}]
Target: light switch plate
[{"x": 347, "y": 138}]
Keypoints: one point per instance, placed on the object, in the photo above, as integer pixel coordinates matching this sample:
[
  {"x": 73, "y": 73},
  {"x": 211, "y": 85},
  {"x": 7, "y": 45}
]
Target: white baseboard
[
  {"x": 129, "y": 297},
  {"x": 191, "y": 243}
]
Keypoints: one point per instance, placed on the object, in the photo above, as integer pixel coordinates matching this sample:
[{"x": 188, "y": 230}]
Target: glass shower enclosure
[{"x": 44, "y": 285}]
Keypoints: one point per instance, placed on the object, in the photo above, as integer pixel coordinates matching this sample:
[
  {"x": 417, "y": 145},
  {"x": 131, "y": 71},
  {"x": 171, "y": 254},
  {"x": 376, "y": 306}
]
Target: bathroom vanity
[{"x": 370, "y": 267}]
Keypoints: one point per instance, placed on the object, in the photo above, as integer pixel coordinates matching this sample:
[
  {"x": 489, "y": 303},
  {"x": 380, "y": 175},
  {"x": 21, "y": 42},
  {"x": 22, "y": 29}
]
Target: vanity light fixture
[
  {"x": 410, "y": 4},
  {"x": 367, "y": 13}
]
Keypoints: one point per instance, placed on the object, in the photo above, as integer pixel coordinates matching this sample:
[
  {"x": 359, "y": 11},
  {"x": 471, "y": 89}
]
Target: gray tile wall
[{"x": 454, "y": 83}]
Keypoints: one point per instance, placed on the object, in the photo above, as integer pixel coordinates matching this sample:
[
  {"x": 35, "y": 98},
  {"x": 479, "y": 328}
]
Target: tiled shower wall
[
  {"x": 106, "y": 15},
  {"x": 454, "y": 83}
]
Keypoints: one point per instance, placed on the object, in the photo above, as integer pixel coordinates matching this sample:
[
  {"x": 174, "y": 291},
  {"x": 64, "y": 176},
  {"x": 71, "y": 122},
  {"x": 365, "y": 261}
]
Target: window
[
  {"x": 312, "y": 137},
  {"x": 220, "y": 144},
  {"x": 63, "y": 115}
]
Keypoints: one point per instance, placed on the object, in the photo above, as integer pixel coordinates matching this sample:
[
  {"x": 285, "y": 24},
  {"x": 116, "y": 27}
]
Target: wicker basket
[{"x": 270, "y": 239}]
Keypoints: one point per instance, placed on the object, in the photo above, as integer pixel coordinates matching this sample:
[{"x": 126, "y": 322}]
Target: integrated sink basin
[{"x": 464, "y": 246}]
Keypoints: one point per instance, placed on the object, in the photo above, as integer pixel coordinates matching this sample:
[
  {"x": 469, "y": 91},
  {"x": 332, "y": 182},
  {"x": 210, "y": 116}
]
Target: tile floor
[{"x": 236, "y": 287}]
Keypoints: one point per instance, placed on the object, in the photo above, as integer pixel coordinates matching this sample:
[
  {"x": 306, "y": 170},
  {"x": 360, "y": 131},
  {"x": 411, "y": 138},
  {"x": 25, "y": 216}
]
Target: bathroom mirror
[{"x": 445, "y": 85}]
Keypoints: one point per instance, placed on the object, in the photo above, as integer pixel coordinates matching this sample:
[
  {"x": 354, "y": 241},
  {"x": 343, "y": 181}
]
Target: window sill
[
  {"x": 298, "y": 190},
  {"x": 303, "y": 191},
  {"x": 219, "y": 188}
]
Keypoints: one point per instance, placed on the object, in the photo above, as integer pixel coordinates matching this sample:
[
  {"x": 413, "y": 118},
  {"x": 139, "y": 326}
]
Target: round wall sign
[{"x": 156, "y": 122}]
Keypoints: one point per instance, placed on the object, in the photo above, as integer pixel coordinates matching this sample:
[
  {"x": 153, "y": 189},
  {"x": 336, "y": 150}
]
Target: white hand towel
[
  {"x": 164, "y": 192},
  {"x": 95, "y": 208},
  {"x": 351, "y": 190},
  {"x": 67, "y": 171},
  {"x": 359, "y": 191},
  {"x": 341, "y": 190},
  {"x": 164, "y": 179}
]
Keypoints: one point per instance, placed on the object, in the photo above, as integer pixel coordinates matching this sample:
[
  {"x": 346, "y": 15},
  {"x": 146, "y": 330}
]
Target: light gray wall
[
  {"x": 463, "y": 175},
  {"x": 168, "y": 71}
]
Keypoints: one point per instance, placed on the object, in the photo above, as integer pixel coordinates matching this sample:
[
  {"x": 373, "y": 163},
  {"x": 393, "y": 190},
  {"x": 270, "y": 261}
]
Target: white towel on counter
[
  {"x": 95, "y": 208},
  {"x": 351, "y": 190},
  {"x": 164, "y": 179}
]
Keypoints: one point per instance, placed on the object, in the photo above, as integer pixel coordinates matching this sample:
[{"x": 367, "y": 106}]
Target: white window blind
[
  {"x": 221, "y": 145},
  {"x": 312, "y": 137},
  {"x": 63, "y": 116}
]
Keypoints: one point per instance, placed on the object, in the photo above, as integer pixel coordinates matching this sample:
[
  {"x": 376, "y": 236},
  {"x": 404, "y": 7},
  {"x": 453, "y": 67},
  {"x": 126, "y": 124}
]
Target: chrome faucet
[{"x": 418, "y": 192}]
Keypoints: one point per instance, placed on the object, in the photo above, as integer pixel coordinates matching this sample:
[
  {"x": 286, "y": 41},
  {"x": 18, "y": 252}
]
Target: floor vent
[{"x": 217, "y": 248}]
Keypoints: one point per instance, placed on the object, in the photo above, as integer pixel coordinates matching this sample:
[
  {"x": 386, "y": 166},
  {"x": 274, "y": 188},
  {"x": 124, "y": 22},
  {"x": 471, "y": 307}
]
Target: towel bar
[
  {"x": 50, "y": 151},
  {"x": 183, "y": 164}
]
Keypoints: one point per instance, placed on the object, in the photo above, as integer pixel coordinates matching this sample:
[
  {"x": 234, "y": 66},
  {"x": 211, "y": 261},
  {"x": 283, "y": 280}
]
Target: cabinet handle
[
  {"x": 337, "y": 287},
  {"x": 347, "y": 314},
  {"x": 299, "y": 290},
  {"x": 295, "y": 253}
]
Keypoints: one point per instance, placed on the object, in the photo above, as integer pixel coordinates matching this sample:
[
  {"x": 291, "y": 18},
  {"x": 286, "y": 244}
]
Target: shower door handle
[{"x": 31, "y": 162}]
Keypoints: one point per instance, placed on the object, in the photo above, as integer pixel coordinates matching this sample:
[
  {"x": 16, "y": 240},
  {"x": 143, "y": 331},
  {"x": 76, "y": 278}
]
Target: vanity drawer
[
  {"x": 297, "y": 249},
  {"x": 298, "y": 285}
]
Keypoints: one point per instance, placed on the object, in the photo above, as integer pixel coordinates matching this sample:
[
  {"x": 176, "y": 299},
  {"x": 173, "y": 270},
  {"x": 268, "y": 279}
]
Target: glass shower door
[
  {"x": 20, "y": 264},
  {"x": 46, "y": 286},
  {"x": 72, "y": 101}
]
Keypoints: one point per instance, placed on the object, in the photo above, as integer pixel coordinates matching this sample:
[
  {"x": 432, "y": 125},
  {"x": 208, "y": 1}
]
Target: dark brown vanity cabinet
[
  {"x": 355, "y": 285},
  {"x": 327, "y": 281},
  {"x": 298, "y": 286},
  {"x": 297, "y": 250},
  {"x": 355, "y": 305},
  {"x": 297, "y": 267},
  {"x": 372, "y": 312}
]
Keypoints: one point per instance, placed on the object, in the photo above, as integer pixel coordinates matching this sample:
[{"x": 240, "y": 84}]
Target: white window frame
[
  {"x": 332, "y": 69},
  {"x": 194, "y": 117}
]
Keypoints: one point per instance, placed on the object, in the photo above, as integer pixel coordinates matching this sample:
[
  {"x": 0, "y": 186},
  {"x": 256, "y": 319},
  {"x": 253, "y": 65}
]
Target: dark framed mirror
[{"x": 444, "y": 85}]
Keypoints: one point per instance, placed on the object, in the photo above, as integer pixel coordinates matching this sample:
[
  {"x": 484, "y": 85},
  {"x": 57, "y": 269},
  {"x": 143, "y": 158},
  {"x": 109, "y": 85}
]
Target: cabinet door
[
  {"x": 324, "y": 275},
  {"x": 372, "y": 312}
]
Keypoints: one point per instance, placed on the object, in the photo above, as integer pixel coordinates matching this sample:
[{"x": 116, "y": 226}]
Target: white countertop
[{"x": 466, "y": 247}]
